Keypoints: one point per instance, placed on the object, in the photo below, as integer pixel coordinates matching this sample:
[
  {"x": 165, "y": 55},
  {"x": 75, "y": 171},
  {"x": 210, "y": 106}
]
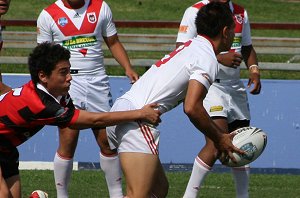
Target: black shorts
[
  {"x": 9, "y": 162},
  {"x": 238, "y": 124}
]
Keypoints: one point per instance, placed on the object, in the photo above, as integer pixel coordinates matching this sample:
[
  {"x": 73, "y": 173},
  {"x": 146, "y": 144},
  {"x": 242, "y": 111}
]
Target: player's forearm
[
  {"x": 90, "y": 120},
  {"x": 113, "y": 118},
  {"x": 249, "y": 55}
]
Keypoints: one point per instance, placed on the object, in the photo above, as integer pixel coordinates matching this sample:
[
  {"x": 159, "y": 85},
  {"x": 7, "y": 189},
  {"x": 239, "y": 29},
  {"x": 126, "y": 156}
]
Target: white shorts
[
  {"x": 132, "y": 136},
  {"x": 227, "y": 99},
  {"x": 91, "y": 93}
]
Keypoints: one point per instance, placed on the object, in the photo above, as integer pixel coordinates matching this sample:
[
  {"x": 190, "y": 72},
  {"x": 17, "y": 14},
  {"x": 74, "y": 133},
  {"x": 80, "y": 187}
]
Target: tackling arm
[{"x": 90, "y": 119}]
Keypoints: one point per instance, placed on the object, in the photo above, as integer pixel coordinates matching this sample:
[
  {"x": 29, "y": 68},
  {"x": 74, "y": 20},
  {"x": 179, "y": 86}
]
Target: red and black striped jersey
[{"x": 26, "y": 110}]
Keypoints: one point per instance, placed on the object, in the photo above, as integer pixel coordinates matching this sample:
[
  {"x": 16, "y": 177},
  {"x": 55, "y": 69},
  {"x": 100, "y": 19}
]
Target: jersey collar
[
  {"x": 210, "y": 41},
  {"x": 41, "y": 87}
]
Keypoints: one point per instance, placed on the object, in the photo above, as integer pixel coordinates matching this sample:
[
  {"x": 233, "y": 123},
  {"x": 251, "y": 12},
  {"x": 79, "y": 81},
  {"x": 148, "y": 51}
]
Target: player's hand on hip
[
  {"x": 254, "y": 78},
  {"x": 226, "y": 148},
  {"x": 151, "y": 114},
  {"x": 230, "y": 59}
]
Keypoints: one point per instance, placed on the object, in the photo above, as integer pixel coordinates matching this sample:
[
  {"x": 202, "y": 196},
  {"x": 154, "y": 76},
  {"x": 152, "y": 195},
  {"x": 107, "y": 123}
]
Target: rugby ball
[
  {"x": 38, "y": 194},
  {"x": 252, "y": 140}
]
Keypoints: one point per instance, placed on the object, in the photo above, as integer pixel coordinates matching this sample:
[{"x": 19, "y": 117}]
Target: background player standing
[
  {"x": 81, "y": 26},
  {"x": 226, "y": 101}
]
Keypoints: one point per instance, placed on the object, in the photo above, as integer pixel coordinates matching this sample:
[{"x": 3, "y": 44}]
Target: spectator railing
[{"x": 161, "y": 42}]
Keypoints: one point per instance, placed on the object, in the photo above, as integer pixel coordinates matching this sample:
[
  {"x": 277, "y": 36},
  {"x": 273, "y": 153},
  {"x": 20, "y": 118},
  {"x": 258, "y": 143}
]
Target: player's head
[
  {"x": 215, "y": 19},
  {"x": 4, "y": 5},
  {"x": 49, "y": 65}
]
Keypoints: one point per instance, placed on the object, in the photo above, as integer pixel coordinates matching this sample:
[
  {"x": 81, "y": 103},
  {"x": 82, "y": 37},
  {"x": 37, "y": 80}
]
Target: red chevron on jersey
[
  {"x": 198, "y": 5},
  {"x": 65, "y": 24}
]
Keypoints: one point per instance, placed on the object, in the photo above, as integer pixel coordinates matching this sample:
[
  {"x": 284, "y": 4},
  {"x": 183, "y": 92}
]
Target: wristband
[{"x": 253, "y": 66}]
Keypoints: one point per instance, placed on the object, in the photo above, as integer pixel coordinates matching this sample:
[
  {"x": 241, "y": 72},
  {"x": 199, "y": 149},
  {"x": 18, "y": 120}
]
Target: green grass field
[{"x": 91, "y": 183}]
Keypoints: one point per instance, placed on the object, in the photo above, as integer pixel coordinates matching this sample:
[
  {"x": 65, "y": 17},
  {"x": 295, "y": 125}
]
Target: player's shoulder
[
  {"x": 200, "y": 4},
  {"x": 238, "y": 8},
  {"x": 51, "y": 7}
]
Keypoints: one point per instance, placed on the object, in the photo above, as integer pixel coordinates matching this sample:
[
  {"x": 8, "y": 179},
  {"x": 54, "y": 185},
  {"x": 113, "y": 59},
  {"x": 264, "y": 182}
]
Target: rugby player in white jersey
[
  {"x": 81, "y": 26},
  {"x": 4, "y": 5},
  {"x": 184, "y": 75},
  {"x": 226, "y": 101}
]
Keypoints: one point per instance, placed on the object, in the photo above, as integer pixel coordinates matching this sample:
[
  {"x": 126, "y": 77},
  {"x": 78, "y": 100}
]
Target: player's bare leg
[
  {"x": 161, "y": 184},
  {"x": 4, "y": 191},
  {"x": 110, "y": 164},
  {"x": 14, "y": 186},
  {"x": 141, "y": 171}
]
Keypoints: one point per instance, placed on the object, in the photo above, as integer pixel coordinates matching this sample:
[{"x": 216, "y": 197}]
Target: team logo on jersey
[
  {"x": 63, "y": 21},
  {"x": 238, "y": 18},
  {"x": 91, "y": 17}
]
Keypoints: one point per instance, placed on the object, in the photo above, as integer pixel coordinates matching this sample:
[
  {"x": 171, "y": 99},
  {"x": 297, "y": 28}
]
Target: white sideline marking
[{"x": 38, "y": 165}]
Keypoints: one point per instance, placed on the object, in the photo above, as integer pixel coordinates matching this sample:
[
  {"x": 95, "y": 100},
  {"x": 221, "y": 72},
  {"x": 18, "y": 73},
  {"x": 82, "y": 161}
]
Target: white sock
[
  {"x": 199, "y": 172},
  {"x": 241, "y": 179},
  {"x": 113, "y": 175},
  {"x": 62, "y": 174}
]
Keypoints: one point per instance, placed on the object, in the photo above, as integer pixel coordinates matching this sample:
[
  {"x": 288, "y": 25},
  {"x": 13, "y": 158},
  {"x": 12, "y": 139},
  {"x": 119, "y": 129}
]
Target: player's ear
[
  {"x": 225, "y": 32},
  {"x": 42, "y": 77}
]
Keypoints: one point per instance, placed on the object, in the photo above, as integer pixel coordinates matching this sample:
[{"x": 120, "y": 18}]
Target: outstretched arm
[{"x": 90, "y": 120}]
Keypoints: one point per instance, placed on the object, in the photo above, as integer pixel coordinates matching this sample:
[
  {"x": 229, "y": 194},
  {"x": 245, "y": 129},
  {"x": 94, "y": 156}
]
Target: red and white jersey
[
  {"x": 27, "y": 109},
  {"x": 166, "y": 82},
  {"x": 79, "y": 30},
  {"x": 187, "y": 30}
]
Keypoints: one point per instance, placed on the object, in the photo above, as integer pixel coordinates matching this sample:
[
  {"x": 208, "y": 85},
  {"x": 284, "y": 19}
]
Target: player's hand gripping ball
[
  {"x": 252, "y": 140},
  {"x": 38, "y": 194}
]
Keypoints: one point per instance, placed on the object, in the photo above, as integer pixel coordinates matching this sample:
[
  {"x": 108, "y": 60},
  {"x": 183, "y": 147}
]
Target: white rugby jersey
[
  {"x": 166, "y": 82},
  {"x": 187, "y": 30},
  {"x": 79, "y": 30}
]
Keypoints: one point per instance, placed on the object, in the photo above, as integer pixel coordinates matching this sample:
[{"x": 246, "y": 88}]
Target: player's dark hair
[
  {"x": 45, "y": 57},
  {"x": 212, "y": 18}
]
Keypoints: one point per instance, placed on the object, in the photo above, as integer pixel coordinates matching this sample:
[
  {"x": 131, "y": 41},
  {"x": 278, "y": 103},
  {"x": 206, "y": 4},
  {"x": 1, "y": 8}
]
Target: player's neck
[{"x": 73, "y": 4}]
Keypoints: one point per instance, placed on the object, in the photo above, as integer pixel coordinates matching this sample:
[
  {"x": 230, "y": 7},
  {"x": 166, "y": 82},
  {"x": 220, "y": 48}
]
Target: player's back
[{"x": 167, "y": 80}]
